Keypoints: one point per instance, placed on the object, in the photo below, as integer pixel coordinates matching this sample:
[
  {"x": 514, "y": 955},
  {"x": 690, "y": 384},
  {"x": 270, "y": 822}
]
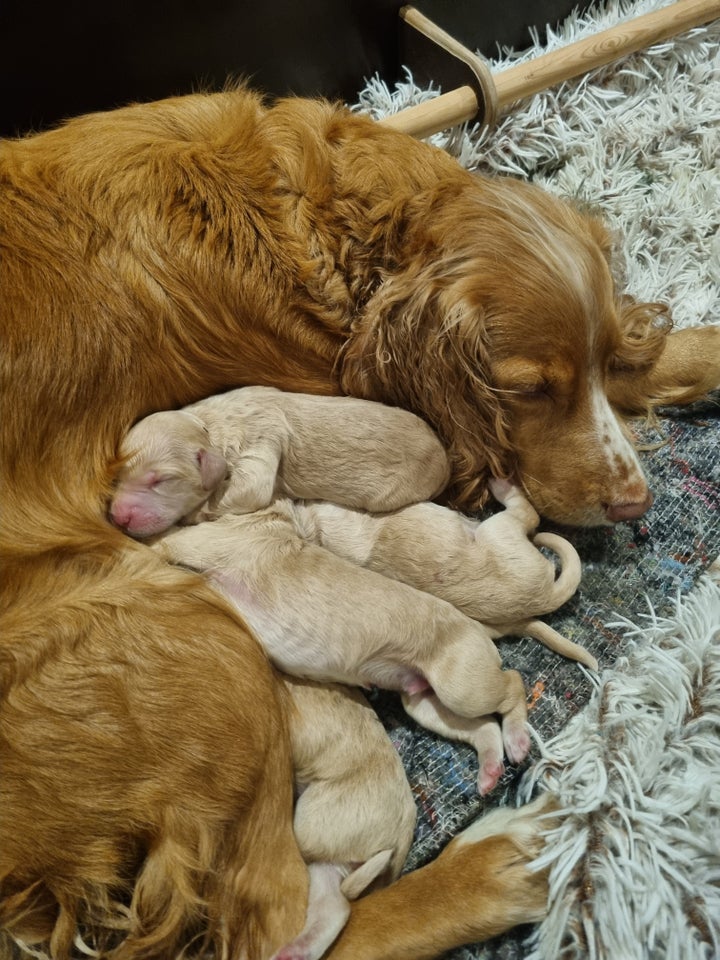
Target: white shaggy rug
[
  {"x": 635, "y": 863},
  {"x": 635, "y": 754}
]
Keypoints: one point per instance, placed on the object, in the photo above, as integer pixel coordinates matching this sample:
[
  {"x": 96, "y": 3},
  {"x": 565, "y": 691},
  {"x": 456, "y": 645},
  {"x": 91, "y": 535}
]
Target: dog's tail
[
  {"x": 570, "y": 568},
  {"x": 556, "y": 641}
]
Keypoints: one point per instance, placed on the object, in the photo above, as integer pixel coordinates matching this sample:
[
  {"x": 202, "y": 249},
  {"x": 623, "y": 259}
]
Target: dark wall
[
  {"x": 82, "y": 55},
  {"x": 60, "y": 58}
]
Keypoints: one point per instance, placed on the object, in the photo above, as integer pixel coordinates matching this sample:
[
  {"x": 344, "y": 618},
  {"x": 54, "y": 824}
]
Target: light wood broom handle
[{"x": 545, "y": 71}]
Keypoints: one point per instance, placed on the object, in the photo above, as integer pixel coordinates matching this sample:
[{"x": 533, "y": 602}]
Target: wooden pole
[{"x": 525, "y": 79}]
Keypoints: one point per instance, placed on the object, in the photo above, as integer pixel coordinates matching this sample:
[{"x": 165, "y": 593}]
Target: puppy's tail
[
  {"x": 357, "y": 881},
  {"x": 556, "y": 642},
  {"x": 570, "y": 568}
]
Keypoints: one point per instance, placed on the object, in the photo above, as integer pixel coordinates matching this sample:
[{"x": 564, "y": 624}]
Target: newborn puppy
[
  {"x": 355, "y": 814},
  {"x": 490, "y": 569},
  {"x": 236, "y": 452},
  {"x": 322, "y": 617}
]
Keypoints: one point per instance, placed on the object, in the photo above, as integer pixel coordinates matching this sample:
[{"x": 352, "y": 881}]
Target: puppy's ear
[{"x": 213, "y": 467}]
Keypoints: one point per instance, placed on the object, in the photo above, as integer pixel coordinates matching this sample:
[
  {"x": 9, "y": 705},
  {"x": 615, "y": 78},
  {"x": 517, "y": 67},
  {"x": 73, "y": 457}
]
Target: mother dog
[{"x": 155, "y": 255}]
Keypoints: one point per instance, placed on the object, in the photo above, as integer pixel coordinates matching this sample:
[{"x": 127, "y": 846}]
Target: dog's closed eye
[
  {"x": 527, "y": 380},
  {"x": 542, "y": 390}
]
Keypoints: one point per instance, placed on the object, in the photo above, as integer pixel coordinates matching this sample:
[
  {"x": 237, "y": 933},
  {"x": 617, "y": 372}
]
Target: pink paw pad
[
  {"x": 517, "y": 743},
  {"x": 416, "y": 685},
  {"x": 300, "y": 949},
  {"x": 490, "y": 773}
]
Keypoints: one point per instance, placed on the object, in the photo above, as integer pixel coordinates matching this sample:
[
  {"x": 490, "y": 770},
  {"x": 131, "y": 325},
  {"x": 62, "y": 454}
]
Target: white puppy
[
  {"x": 236, "y": 452},
  {"x": 355, "y": 814}
]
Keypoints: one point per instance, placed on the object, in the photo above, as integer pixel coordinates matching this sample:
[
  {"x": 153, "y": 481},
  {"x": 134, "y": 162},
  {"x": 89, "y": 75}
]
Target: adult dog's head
[{"x": 497, "y": 319}]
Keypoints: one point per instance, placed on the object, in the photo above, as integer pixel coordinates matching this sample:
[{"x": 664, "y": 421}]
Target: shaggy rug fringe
[{"x": 635, "y": 862}]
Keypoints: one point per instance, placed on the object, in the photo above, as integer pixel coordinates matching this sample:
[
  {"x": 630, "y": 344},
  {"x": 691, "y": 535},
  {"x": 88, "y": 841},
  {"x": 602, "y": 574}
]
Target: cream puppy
[
  {"x": 237, "y": 451},
  {"x": 323, "y": 617},
  {"x": 354, "y": 815},
  {"x": 282, "y": 569},
  {"x": 490, "y": 570}
]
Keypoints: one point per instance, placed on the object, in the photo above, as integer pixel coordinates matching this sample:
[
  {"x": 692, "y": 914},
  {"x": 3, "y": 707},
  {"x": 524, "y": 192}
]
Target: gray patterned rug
[
  {"x": 640, "y": 140},
  {"x": 626, "y": 568}
]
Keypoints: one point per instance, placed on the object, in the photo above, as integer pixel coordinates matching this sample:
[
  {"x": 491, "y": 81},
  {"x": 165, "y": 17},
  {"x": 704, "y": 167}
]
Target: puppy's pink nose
[
  {"x": 121, "y": 516},
  {"x": 628, "y": 511}
]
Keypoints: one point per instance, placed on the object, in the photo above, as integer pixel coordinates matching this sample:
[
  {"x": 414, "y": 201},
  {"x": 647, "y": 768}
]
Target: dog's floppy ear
[
  {"x": 643, "y": 326},
  {"x": 213, "y": 467},
  {"x": 420, "y": 344}
]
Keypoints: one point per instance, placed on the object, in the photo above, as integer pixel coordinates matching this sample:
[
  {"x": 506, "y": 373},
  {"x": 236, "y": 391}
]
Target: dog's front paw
[
  {"x": 506, "y": 842},
  {"x": 525, "y": 826}
]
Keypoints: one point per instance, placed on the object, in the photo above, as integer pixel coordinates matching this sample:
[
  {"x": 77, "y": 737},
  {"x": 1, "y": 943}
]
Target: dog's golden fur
[{"x": 153, "y": 256}]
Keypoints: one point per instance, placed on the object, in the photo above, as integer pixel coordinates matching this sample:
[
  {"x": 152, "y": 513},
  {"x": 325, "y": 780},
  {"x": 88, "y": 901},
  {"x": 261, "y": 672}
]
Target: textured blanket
[{"x": 640, "y": 141}]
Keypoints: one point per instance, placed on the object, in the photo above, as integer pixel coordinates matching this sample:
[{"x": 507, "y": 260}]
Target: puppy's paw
[
  {"x": 491, "y": 769},
  {"x": 516, "y": 740}
]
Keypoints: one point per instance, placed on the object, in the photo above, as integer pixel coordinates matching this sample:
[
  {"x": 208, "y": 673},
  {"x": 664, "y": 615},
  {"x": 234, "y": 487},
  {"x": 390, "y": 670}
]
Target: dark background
[{"x": 60, "y": 59}]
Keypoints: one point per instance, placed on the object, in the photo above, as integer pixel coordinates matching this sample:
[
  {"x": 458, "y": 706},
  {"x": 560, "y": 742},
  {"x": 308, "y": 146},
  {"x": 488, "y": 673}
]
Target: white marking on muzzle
[{"x": 617, "y": 450}]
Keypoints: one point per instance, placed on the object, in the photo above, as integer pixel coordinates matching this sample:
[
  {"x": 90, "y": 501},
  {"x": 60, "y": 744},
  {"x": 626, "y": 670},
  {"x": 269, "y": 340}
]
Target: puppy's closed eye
[{"x": 153, "y": 480}]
